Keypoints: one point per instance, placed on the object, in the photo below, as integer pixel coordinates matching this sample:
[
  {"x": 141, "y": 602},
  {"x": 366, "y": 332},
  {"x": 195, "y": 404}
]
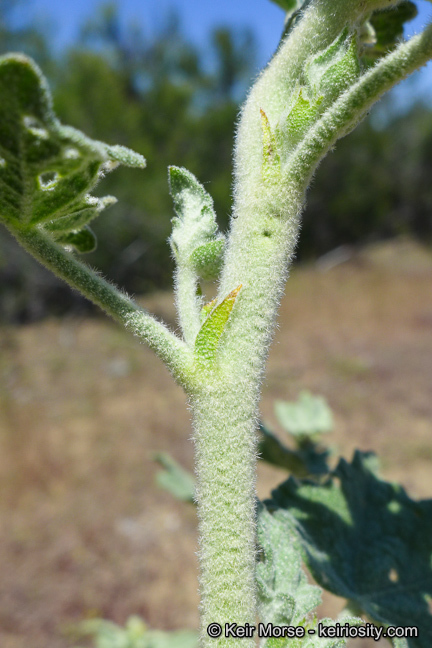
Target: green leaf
[
  {"x": 207, "y": 309},
  {"x": 300, "y": 117},
  {"x": 195, "y": 240},
  {"x": 46, "y": 169},
  {"x": 305, "y": 419},
  {"x": 365, "y": 540},
  {"x": 207, "y": 259},
  {"x": 285, "y": 596},
  {"x": 208, "y": 337},
  {"x": 175, "y": 479},
  {"x": 289, "y": 5},
  {"x": 335, "y": 69},
  {"x": 81, "y": 217},
  {"x": 135, "y": 634},
  {"x": 388, "y": 28},
  {"x": 304, "y": 462},
  {"x": 83, "y": 240}
]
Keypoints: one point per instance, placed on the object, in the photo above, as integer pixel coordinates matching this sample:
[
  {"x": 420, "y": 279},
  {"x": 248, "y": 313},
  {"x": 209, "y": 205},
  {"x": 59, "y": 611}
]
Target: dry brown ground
[{"x": 84, "y": 532}]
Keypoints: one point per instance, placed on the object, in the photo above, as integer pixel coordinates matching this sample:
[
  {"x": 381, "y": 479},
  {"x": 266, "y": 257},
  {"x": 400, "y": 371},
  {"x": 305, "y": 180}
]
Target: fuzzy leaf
[
  {"x": 195, "y": 225},
  {"x": 365, "y": 540},
  {"x": 81, "y": 217},
  {"x": 303, "y": 113},
  {"x": 210, "y": 332},
  {"x": 308, "y": 417},
  {"x": 336, "y": 68},
  {"x": 175, "y": 479},
  {"x": 83, "y": 240},
  {"x": 388, "y": 27},
  {"x": 46, "y": 169},
  {"x": 285, "y": 596},
  {"x": 207, "y": 259}
]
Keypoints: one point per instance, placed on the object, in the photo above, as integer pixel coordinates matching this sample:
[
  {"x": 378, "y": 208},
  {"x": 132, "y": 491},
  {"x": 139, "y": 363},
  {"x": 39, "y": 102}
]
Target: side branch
[
  {"x": 352, "y": 105},
  {"x": 172, "y": 351},
  {"x": 187, "y": 302}
]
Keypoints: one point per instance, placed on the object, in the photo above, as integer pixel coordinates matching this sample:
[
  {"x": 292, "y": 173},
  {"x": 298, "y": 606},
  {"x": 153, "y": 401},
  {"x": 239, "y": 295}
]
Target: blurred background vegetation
[{"x": 177, "y": 104}]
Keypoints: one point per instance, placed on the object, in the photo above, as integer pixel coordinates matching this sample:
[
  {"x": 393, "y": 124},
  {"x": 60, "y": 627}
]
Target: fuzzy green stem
[
  {"x": 353, "y": 104},
  {"x": 261, "y": 244},
  {"x": 322, "y": 22},
  {"x": 187, "y": 302},
  {"x": 115, "y": 303},
  {"x": 225, "y": 464}
]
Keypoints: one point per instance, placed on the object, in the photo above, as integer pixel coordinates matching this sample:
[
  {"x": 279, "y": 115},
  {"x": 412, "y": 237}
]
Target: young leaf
[
  {"x": 388, "y": 27},
  {"x": 210, "y": 332},
  {"x": 175, "y": 479},
  {"x": 48, "y": 169},
  {"x": 303, "y": 113},
  {"x": 195, "y": 240},
  {"x": 335, "y": 69},
  {"x": 284, "y": 592},
  {"x": 365, "y": 540},
  {"x": 207, "y": 259}
]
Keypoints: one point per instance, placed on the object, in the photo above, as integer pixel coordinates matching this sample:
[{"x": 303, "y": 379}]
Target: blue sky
[
  {"x": 198, "y": 17},
  {"x": 63, "y": 18}
]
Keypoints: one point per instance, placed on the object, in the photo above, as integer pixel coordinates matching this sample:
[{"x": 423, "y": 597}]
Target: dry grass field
[{"x": 84, "y": 530}]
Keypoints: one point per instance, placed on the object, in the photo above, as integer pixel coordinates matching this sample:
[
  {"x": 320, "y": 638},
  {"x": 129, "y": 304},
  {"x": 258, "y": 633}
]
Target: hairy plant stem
[
  {"x": 260, "y": 247},
  {"x": 225, "y": 413},
  {"x": 172, "y": 351},
  {"x": 224, "y": 437}
]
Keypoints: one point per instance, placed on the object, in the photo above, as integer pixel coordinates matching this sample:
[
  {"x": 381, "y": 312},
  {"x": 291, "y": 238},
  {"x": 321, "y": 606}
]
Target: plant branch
[
  {"x": 187, "y": 302},
  {"x": 118, "y": 305},
  {"x": 353, "y": 104}
]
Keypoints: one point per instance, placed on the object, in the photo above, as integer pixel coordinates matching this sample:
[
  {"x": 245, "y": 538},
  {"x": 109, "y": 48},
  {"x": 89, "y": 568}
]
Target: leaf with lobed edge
[
  {"x": 48, "y": 169},
  {"x": 365, "y": 540},
  {"x": 195, "y": 239},
  {"x": 286, "y": 598}
]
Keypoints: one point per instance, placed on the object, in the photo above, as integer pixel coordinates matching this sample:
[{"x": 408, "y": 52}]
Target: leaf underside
[
  {"x": 47, "y": 169},
  {"x": 365, "y": 540}
]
